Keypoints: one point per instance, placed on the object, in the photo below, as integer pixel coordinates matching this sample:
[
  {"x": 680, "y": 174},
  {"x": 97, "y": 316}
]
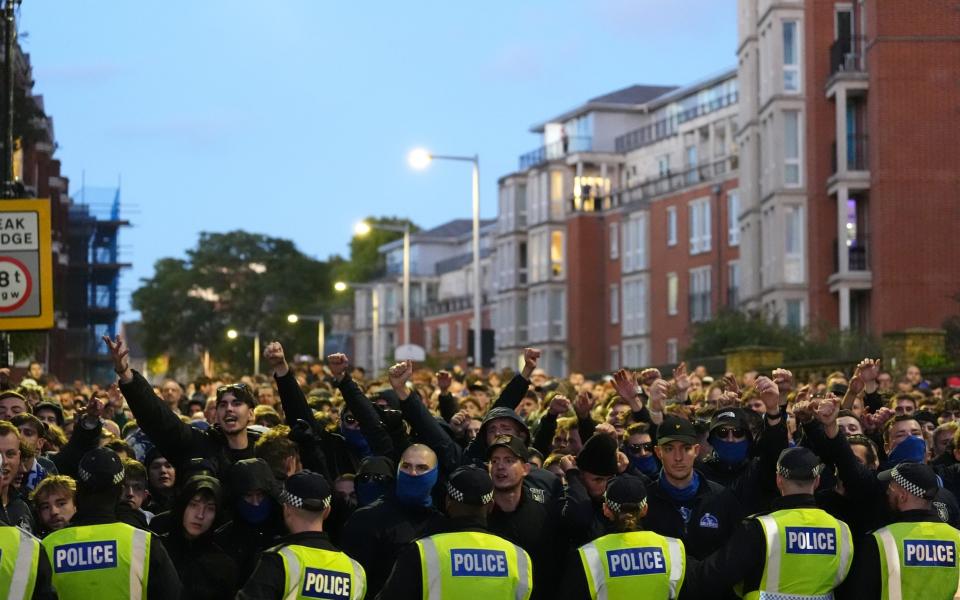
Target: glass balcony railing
[{"x": 555, "y": 150}]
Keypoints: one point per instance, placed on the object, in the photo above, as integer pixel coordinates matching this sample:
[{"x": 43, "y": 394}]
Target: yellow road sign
[{"x": 26, "y": 265}]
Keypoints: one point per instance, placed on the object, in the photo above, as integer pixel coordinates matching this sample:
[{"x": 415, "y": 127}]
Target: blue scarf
[
  {"x": 730, "y": 453},
  {"x": 913, "y": 450},
  {"x": 356, "y": 440},
  {"x": 414, "y": 490},
  {"x": 681, "y": 495},
  {"x": 648, "y": 465},
  {"x": 254, "y": 513}
]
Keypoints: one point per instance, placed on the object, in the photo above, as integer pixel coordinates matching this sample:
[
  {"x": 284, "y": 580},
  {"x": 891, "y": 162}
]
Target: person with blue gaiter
[{"x": 375, "y": 534}]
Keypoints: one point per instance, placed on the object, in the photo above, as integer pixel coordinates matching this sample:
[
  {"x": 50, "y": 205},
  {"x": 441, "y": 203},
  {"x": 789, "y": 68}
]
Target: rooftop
[{"x": 629, "y": 98}]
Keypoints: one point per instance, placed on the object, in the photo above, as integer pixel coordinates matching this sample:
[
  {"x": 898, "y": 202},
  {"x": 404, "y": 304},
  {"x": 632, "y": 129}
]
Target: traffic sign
[{"x": 26, "y": 265}]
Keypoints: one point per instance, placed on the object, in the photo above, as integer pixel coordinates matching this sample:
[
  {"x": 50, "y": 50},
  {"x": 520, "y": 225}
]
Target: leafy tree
[
  {"x": 239, "y": 280},
  {"x": 366, "y": 262}
]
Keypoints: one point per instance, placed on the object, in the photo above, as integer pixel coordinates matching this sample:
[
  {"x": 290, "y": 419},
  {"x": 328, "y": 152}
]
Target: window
[
  {"x": 459, "y": 344},
  {"x": 733, "y": 283},
  {"x": 672, "y": 350},
  {"x": 663, "y": 165},
  {"x": 791, "y": 57},
  {"x": 428, "y": 339},
  {"x": 443, "y": 337},
  {"x": 672, "y": 226},
  {"x": 521, "y": 198},
  {"x": 793, "y": 238},
  {"x": 794, "y": 316},
  {"x": 700, "y": 226},
  {"x": 634, "y": 307},
  {"x": 635, "y": 354},
  {"x": 614, "y": 232},
  {"x": 692, "y": 174},
  {"x": 557, "y": 314},
  {"x": 700, "y": 287},
  {"x": 673, "y": 292},
  {"x": 556, "y": 195},
  {"x": 635, "y": 243},
  {"x": 614, "y": 358},
  {"x": 733, "y": 212},
  {"x": 791, "y": 148},
  {"x": 556, "y": 254},
  {"x": 614, "y": 304}
]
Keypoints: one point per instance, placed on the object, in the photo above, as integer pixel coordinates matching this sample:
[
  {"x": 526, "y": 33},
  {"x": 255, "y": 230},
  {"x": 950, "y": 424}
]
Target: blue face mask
[
  {"x": 730, "y": 453},
  {"x": 356, "y": 440},
  {"x": 254, "y": 514},
  {"x": 913, "y": 450},
  {"x": 369, "y": 492},
  {"x": 648, "y": 465},
  {"x": 415, "y": 490}
]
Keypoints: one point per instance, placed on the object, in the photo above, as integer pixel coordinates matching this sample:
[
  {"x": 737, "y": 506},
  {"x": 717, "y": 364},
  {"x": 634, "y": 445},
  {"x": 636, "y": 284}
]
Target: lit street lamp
[
  {"x": 321, "y": 329},
  {"x": 340, "y": 286},
  {"x": 233, "y": 334},
  {"x": 420, "y": 159}
]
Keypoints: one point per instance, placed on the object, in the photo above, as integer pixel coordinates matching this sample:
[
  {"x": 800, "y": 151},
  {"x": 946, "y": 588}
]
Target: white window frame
[
  {"x": 700, "y": 226},
  {"x": 794, "y": 69},
  {"x": 614, "y": 233},
  {"x": 671, "y": 226},
  {"x": 673, "y": 294},
  {"x": 673, "y": 352},
  {"x": 614, "y": 358},
  {"x": 614, "y": 303},
  {"x": 733, "y": 212},
  {"x": 796, "y": 161},
  {"x": 443, "y": 337},
  {"x": 701, "y": 286}
]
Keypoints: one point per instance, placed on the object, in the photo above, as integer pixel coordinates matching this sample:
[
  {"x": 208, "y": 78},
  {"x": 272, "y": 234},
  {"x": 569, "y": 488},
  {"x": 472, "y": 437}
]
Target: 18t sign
[{"x": 15, "y": 284}]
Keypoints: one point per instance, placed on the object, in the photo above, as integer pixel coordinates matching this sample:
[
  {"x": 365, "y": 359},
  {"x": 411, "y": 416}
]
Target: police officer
[
  {"x": 914, "y": 557},
  {"x": 796, "y": 550},
  {"x": 465, "y": 561},
  {"x": 305, "y": 564},
  {"x": 631, "y": 563},
  {"x": 97, "y": 555},
  {"x": 24, "y": 567}
]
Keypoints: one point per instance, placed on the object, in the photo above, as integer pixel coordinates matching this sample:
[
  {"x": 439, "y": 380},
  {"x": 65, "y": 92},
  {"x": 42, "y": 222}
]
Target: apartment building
[
  {"x": 849, "y": 161},
  {"x": 441, "y": 298}
]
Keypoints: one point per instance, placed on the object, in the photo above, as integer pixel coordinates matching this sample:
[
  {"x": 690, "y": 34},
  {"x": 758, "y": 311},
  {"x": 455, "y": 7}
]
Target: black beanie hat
[{"x": 599, "y": 456}]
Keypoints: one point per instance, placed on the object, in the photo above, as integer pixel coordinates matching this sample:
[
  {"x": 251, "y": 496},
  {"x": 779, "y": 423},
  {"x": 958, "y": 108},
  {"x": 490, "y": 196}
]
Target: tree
[
  {"x": 366, "y": 262},
  {"x": 236, "y": 280}
]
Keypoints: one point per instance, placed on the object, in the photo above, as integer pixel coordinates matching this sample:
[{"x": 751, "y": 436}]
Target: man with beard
[{"x": 227, "y": 442}]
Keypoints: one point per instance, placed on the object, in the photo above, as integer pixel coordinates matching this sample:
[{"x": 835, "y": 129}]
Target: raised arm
[
  {"x": 361, "y": 407},
  {"x": 448, "y": 404},
  {"x": 511, "y": 395},
  {"x": 294, "y": 403},
  {"x": 421, "y": 421},
  {"x": 86, "y": 437},
  {"x": 172, "y": 436}
]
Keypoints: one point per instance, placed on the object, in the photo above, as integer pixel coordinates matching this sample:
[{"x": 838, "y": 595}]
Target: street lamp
[
  {"x": 340, "y": 286},
  {"x": 233, "y": 334},
  {"x": 321, "y": 329},
  {"x": 420, "y": 159},
  {"x": 363, "y": 228}
]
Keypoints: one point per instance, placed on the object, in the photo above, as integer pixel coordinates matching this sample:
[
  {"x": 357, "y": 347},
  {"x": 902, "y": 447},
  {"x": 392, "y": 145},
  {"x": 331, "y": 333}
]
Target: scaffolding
[{"x": 93, "y": 281}]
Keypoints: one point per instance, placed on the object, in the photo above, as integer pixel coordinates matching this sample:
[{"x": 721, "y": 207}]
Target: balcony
[
  {"x": 452, "y": 305},
  {"x": 667, "y": 127},
  {"x": 555, "y": 151},
  {"x": 848, "y": 66},
  {"x": 857, "y": 156},
  {"x": 672, "y": 182},
  {"x": 857, "y": 275}
]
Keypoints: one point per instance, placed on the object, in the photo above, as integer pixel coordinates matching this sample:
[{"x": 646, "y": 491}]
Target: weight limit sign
[{"x": 26, "y": 265}]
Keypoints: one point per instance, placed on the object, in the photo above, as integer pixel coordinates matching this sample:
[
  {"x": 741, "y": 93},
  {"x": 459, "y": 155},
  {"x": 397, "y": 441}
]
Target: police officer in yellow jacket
[
  {"x": 631, "y": 563},
  {"x": 914, "y": 557},
  {"x": 793, "y": 551},
  {"x": 462, "y": 560},
  {"x": 100, "y": 557},
  {"x": 305, "y": 564}
]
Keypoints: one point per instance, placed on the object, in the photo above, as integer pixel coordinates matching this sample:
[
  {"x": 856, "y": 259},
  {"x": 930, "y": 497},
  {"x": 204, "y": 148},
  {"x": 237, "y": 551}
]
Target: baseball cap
[
  {"x": 730, "y": 417},
  {"x": 100, "y": 469},
  {"x": 799, "y": 464},
  {"x": 511, "y": 443},
  {"x": 306, "y": 490},
  {"x": 675, "y": 429},
  {"x": 54, "y": 406},
  {"x": 918, "y": 479},
  {"x": 470, "y": 485}
]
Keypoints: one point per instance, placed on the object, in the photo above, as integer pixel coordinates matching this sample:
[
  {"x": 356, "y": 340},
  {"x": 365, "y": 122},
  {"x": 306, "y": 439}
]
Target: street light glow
[
  {"x": 419, "y": 159},
  {"x": 362, "y": 228},
  {"x": 340, "y": 286},
  {"x": 292, "y": 318},
  {"x": 232, "y": 334}
]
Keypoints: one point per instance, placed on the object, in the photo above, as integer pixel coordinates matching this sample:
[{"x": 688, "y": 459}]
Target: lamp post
[
  {"x": 363, "y": 228},
  {"x": 321, "y": 329},
  {"x": 420, "y": 159},
  {"x": 233, "y": 334}
]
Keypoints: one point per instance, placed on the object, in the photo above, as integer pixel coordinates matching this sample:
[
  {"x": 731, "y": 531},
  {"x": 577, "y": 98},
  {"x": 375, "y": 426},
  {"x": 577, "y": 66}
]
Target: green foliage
[
  {"x": 933, "y": 362},
  {"x": 365, "y": 262},
  {"x": 731, "y": 329},
  {"x": 240, "y": 280}
]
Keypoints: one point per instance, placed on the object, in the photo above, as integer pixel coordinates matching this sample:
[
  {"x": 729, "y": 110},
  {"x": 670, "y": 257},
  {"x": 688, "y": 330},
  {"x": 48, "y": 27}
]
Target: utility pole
[{"x": 9, "y": 190}]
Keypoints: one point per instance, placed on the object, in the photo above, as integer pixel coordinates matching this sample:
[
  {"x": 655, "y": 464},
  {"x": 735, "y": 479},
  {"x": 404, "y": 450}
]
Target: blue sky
[{"x": 293, "y": 117}]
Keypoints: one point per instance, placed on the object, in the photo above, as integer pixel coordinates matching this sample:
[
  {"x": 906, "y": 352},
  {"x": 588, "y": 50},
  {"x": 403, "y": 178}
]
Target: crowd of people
[{"x": 323, "y": 481}]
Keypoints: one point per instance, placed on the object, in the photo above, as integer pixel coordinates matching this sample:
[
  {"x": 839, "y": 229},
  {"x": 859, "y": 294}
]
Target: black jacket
[
  {"x": 268, "y": 579},
  {"x": 18, "y": 513},
  {"x": 82, "y": 441},
  {"x": 375, "y": 534},
  {"x": 742, "y": 559},
  {"x": 534, "y": 526},
  {"x": 163, "y": 582},
  {"x": 209, "y": 572},
  {"x": 581, "y": 516},
  {"x": 713, "y": 514},
  {"x": 176, "y": 440}
]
